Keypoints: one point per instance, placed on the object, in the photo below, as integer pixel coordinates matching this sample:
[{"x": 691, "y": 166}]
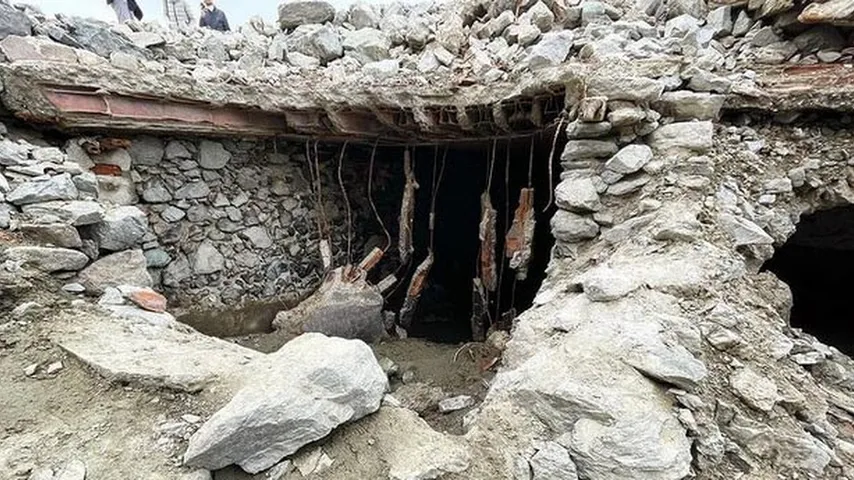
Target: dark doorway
[
  {"x": 817, "y": 263},
  {"x": 445, "y": 307}
]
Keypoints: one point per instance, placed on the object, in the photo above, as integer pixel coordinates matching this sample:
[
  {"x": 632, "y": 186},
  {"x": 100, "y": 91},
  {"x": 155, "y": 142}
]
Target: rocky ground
[{"x": 655, "y": 349}]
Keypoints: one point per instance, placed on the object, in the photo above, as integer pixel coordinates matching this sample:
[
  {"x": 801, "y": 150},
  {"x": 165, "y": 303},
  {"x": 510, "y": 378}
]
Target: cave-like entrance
[
  {"x": 817, "y": 263},
  {"x": 445, "y": 307}
]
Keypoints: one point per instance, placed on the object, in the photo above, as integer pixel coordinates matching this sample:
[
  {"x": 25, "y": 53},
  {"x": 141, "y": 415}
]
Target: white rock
[
  {"x": 569, "y": 227},
  {"x": 73, "y": 470},
  {"x": 207, "y": 259},
  {"x": 76, "y": 213},
  {"x": 577, "y": 195},
  {"x": 743, "y": 231},
  {"x": 694, "y": 136},
  {"x": 44, "y": 189},
  {"x": 54, "y": 368},
  {"x": 551, "y": 50},
  {"x": 123, "y": 268},
  {"x": 757, "y": 391},
  {"x": 453, "y": 404},
  {"x": 297, "y": 395},
  {"x": 48, "y": 259},
  {"x": 629, "y": 159},
  {"x": 552, "y": 462}
]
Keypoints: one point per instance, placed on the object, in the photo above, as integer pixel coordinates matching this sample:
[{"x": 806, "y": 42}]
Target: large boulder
[
  {"x": 48, "y": 259},
  {"x": 44, "y": 189},
  {"x": 318, "y": 41},
  {"x": 367, "y": 45},
  {"x": 301, "y": 12},
  {"x": 295, "y": 396},
  {"x": 340, "y": 307},
  {"x": 551, "y": 50},
  {"x": 13, "y": 21},
  {"x": 97, "y": 37},
  {"x": 78, "y": 212},
  {"x": 122, "y": 268},
  {"x": 58, "y": 234},
  {"x": 122, "y": 228}
]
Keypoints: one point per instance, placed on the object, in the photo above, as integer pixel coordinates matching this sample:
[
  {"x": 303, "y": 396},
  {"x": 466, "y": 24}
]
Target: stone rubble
[{"x": 654, "y": 349}]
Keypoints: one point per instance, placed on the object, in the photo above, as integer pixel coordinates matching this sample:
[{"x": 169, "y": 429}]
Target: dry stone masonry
[{"x": 656, "y": 348}]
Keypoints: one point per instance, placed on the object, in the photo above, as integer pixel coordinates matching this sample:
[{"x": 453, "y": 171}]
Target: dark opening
[
  {"x": 817, "y": 263},
  {"x": 445, "y": 307}
]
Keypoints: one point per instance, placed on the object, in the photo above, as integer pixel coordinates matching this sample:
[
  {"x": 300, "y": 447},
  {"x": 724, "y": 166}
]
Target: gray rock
[
  {"x": 87, "y": 185},
  {"x": 703, "y": 81},
  {"x": 48, "y": 155},
  {"x": 122, "y": 268},
  {"x": 12, "y": 153},
  {"x": 744, "y": 232},
  {"x": 552, "y": 462},
  {"x": 297, "y": 395},
  {"x": 347, "y": 309},
  {"x": 632, "y": 89},
  {"x": 363, "y": 16},
  {"x": 685, "y": 105},
  {"x": 73, "y": 288},
  {"x": 757, "y": 391},
  {"x": 47, "y": 259},
  {"x": 294, "y": 13},
  {"x": 207, "y": 259},
  {"x": 720, "y": 21},
  {"x": 578, "y": 129},
  {"x": 157, "y": 258},
  {"x": 146, "y": 39},
  {"x": 540, "y": 16},
  {"x": 172, "y": 214},
  {"x": 13, "y": 22},
  {"x": 303, "y": 61},
  {"x": 603, "y": 284},
  {"x": 778, "y": 186},
  {"x": 319, "y": 41},
  {"x": 453, "y": 404},
  {"x": 154, "y": 191},
  {"x": 212, "y": 155},
  {"x": 73, "y": 470},
  {"x": 577, "y": 195},
  {"x": 742, "y": 24},
  {"x": 178, "y": 270},
  {"x": 146, "y": 151},
  {"x": 694, "y": 136},
  {"x": 367, "y": 45},
  {"x": 44, "y": 189},
  {"x": 417, "y": 34},
  {"x": 629, "y": 159},
  {"x": 626, "y": 116},
  {"x": 671, "y": 364},
  {"x": 382, "y": 69},
  {"x": 198, "y": 189},
  {"x": 58, "y": 234},
  {"x": 763, "y": 37},
  {"x": 116, "y": 190},
  {"x": 552, "y": 50},
  {"x": 585, "y": 149},
  {"x": 97, "y": 37},
  {"x": 258, "y": 237},
  {"x": 798, "y": 176},
  {"x": 176, "y": 150},
  {"x": 822, "y": 37},
  {"x": 681, "y": 26},
  {"x": 569, "y": 227},
  {"x": 776, "y": 53},
  {"x": 80, "y": 212},
  {"x": 496, "y": 25},
  {"x": 629, "y": 185},
  {"x": 122, "y": 228},
  {"x": 75, "y": 154},
  {"x": 395, "y": 26}
]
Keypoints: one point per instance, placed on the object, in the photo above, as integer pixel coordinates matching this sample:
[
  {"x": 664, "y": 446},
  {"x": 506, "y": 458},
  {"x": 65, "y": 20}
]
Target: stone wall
[{"x": 214, "y": 222}]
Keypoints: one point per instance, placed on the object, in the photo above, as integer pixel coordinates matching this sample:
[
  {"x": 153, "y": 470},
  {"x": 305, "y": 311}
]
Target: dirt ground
[{"x": 122, "y": 432}]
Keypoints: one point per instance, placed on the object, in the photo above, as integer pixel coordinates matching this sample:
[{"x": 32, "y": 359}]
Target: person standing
[
  {"x": 125, "y": 10},
  {"x": 178, "y": 13},
  {"x": 213, "y": 17}
]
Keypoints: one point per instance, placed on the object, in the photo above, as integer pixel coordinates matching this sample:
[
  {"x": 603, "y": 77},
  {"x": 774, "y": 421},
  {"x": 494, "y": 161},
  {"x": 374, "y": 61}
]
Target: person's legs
[{"x": 123, "y": 13}]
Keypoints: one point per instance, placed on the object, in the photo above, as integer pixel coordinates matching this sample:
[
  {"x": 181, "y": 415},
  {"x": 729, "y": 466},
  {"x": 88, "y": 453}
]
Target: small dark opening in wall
[
  {"x": 817, "y": 263},
  {"x": 445, "y": 306}
]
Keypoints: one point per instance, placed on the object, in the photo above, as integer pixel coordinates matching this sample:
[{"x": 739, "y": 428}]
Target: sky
[{"x": 238, "y": 11}]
